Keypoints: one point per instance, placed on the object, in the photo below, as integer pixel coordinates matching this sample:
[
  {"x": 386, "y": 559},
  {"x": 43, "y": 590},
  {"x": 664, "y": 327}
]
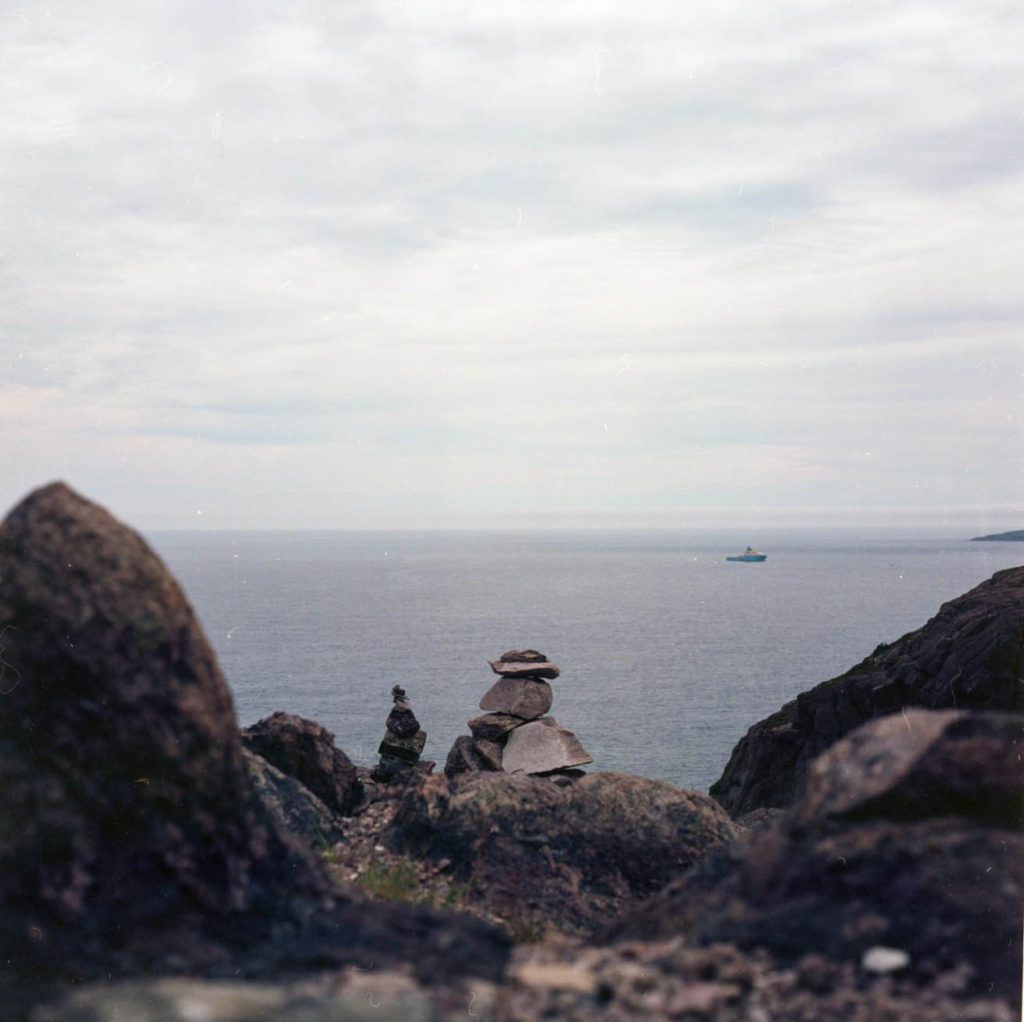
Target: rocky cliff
[{"x": 969, "y": 656}]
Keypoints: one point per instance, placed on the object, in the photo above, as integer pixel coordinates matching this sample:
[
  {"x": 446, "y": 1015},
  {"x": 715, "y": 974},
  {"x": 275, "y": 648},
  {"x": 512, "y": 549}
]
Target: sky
[{"x": 387, "y": 264}]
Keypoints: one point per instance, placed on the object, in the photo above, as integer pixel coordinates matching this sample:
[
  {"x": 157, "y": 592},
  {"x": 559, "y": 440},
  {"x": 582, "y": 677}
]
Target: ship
[{"x": 750, "y": 554}]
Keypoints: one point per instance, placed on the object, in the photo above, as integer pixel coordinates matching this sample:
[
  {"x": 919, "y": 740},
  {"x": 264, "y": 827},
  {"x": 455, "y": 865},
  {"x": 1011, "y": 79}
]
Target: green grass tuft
[
  {"x": 326, "y": 851},
  {"x": 391, "y": 882},
  {"x": 398, "y": 881}
]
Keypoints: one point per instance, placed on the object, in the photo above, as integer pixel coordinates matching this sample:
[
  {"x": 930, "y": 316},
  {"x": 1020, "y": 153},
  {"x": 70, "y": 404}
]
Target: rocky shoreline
[{"x": 862, "y": 857}]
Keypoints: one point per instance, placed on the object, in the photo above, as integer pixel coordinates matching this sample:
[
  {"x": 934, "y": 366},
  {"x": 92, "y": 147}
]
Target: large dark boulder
[
  {"x": 908, "y": 837},
  {"x": 969, "y": 656},
  {"x": 920, "y": 764},
  {"x": 305, "y": 750},
  {"x": 131, "y": 835},
  {"x": 127, "y": 811},
  {"x": 564, "y": 854}
]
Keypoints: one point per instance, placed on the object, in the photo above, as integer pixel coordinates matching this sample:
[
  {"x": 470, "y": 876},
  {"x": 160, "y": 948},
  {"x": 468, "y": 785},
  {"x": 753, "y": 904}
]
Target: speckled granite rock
[
  {"x": 127, "y": 814},
  {"x": 564, "y": 856},
  {"x": 922, "y": 763},
  {"x": 969, "y": 656},
  {"x": 294, "y": 806}
]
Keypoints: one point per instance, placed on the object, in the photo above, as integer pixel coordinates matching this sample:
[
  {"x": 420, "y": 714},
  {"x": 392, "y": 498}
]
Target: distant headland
[{"x": 1015, "y": 536}]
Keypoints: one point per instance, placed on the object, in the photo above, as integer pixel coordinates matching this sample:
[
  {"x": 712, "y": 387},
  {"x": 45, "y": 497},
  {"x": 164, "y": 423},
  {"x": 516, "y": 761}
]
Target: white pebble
[{"x": 884, "y": 959}]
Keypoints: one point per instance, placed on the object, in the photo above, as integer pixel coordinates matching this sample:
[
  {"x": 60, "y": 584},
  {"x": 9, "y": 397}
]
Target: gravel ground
[
  {"x": 670, "y": 981},
  {"x": 665, "y": 982}
]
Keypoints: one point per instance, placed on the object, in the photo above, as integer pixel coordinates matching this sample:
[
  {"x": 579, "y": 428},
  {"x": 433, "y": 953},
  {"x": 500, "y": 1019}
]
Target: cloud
[{"x": 394, "y": 255}]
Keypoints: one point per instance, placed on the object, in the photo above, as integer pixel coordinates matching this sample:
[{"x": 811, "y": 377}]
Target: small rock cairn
[
  {"x": 513, "y": 734},
  {"x": 403, "y": 740}
]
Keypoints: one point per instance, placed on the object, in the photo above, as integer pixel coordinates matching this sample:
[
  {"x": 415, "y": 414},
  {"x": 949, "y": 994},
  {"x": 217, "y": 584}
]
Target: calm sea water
[{"x": 668, "y": 652}]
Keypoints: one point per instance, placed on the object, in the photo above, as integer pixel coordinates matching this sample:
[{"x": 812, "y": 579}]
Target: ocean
[{"x": 668, "y": 652}]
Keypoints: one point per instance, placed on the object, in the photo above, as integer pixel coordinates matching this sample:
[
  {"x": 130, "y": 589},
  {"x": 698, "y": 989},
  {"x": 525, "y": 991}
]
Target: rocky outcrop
[
  {"x": 305, "y": 750},
  {"x": 556, "y": 853},
  {"x": 131, "y": 835},
  {"x": 908, "y": 838},
  {"x": 969, "y": 656}
]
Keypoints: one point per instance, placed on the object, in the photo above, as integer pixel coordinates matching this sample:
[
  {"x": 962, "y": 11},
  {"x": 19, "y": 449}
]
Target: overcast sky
[{"x": 358, "y": 264}]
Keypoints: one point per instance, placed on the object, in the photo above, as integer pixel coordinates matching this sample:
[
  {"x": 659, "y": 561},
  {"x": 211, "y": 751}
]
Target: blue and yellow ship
[{"x": 750, "y": 554}]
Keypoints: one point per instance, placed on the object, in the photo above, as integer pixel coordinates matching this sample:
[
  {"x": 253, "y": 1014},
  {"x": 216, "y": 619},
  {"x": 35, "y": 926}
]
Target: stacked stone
[
  {"x": 403, "y": 740},
  {"x": 514, "y": 735}
]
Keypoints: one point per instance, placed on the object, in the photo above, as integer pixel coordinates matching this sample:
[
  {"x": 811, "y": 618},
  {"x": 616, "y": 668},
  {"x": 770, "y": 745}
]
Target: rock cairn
[
  {"x": 403, "y": 740},
  {"x": 513, "y": 734}
]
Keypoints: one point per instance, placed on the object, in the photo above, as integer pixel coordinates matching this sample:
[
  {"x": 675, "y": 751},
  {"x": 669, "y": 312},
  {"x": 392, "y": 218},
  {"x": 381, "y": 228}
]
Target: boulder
[
  {"x": 540, "y": 747},
  {"x": 969, "y": 656},
  {"x": 294, "y": 806},
  {"x": 865, "y": 861},
  {"x": 538, "y": 853},
  {"x": 127, "y": 812},
  {"x": 305, "y": 750},
  {"x": 526, "y": 698},
  {"x": 922, "y": 763},
  {"x": 132, "y": 838}
]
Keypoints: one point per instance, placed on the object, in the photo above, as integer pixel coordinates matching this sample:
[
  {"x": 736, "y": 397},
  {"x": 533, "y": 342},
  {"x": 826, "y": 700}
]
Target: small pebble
[{"x": 884, "y": 960}]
